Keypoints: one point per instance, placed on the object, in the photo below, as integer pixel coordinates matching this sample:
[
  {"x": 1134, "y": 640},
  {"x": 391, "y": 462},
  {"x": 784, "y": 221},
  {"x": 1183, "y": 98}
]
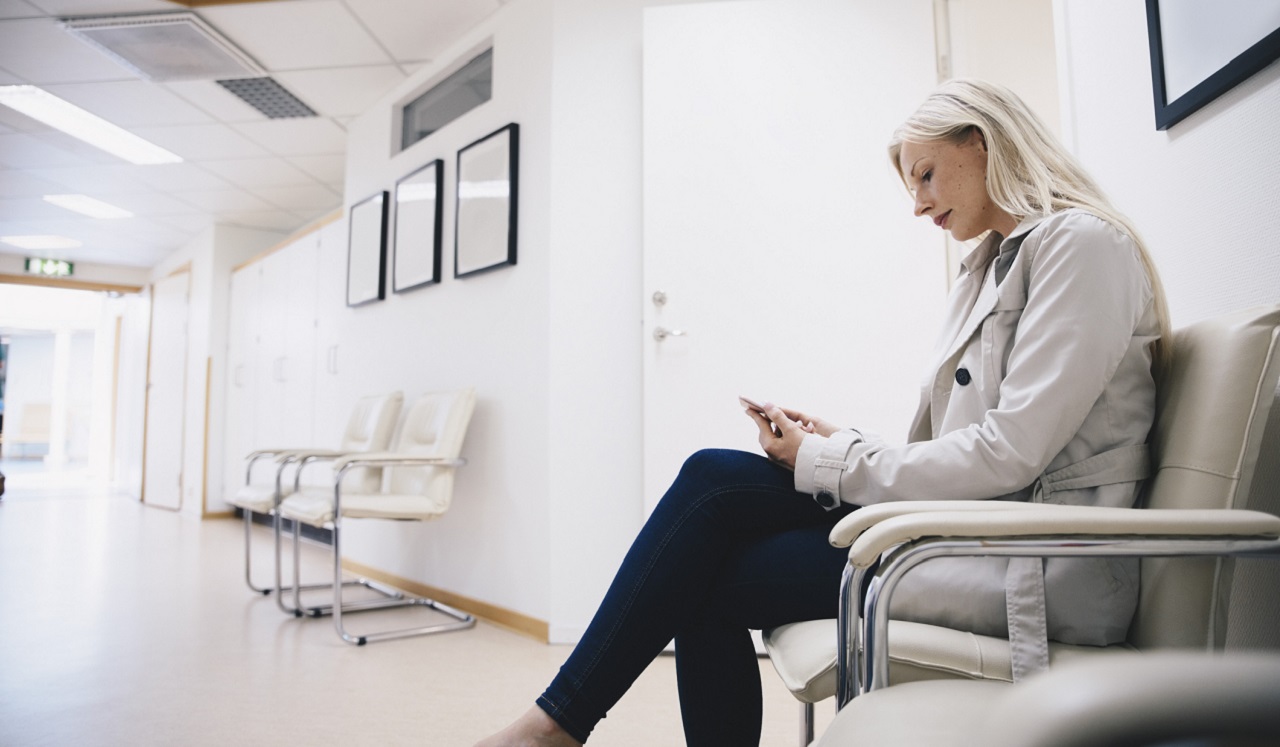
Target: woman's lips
[{"x": 941, "y": 220}]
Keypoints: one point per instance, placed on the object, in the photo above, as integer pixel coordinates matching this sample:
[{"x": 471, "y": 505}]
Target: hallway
[{"x": 127, "y": 625}]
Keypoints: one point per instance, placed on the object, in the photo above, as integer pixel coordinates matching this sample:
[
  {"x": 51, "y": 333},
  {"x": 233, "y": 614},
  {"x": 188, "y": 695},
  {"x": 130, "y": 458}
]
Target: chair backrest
[
  {"x": 369, "y": 428},
  {"x": 435, "y": 426},
  {"x": 1211, "y": 412}
]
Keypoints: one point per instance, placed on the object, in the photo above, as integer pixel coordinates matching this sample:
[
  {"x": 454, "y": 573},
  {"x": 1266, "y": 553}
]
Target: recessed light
[
  {"x": 88, "y": 206},
  {"x": 40, "y": 242},
  {"x": 76, "y": 122}
]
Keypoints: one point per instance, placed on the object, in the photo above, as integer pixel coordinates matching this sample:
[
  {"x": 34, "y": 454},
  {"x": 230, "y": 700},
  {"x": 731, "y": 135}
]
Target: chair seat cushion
[
  {"x": 942, "y": 713},
  {"x": 315, "y": 506},
  {"x": 804, "y": 655},
  {"x": 258, "y": 498}
]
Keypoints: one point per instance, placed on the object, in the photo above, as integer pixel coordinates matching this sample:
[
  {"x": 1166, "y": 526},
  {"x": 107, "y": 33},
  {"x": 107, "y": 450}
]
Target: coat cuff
[{"x": 820, "y": 464}]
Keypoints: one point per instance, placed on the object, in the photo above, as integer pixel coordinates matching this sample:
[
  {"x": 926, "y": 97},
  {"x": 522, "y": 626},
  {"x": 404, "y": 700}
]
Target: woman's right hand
[{"x": 816, "y": 425}]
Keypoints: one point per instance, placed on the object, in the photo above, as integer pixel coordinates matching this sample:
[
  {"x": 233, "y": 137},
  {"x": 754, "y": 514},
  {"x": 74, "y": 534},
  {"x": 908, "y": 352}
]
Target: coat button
[
  {"x": 962, "y": 377},
  {"x": 826, "y": 500}
]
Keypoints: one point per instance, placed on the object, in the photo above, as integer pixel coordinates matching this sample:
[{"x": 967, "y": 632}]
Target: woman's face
[{"x": 949, "y": 182}]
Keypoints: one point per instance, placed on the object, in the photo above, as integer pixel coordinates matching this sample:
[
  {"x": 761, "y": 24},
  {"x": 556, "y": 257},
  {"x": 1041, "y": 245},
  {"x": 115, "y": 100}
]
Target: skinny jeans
[{"x": 731, "y": 547}]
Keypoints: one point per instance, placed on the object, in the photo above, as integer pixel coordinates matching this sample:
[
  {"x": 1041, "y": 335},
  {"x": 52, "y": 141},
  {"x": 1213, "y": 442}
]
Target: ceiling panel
[
  {"x": 413, "y": 30},
  {"x": 146, "y": 204},
  {"x": 30, "y": 208},
  {"x": 131, "y": 102},
  {"x": 270, "y": 220},
  {"x": 39, "y": 51},
  {"x": 328, "y": 169},
  {"x": 176, "y": 177},
  {"x": 297, "y": 137},
  {"x": 99, "y": 7},
  {"x": 192, "y": 223},
  {"x": 96, "y": 178},
  {"x": 24, "y": 151},
  {"x": 216, "y": 100},
  {"x": 223, "y": 200},
  {"x": 259, "y": 172},
  {"x": 20, "y": 183},
  {"x": 202, "y": 142},
  {"x": 346, "y": 91},
  {"x": 316, "y": 197},
  {"x": 17, "y": 9},
  {"x": 297, "y": 34}
]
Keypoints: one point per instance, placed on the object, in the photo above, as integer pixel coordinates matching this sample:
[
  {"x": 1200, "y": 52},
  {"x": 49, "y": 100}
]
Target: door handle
[{"x": 662, "y": 333}]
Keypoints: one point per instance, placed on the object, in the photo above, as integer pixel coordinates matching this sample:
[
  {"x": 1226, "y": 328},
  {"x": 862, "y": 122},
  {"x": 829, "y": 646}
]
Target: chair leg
[
  {"x": 248, "y": 575},
  {"x": 462, "y": 619},
  {"x": 806, "y": 724}
]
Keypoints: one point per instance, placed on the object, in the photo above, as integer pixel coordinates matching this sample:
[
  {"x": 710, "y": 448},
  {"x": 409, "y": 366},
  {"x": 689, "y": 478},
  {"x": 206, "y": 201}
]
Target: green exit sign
[{"x": 53, "y": 268}]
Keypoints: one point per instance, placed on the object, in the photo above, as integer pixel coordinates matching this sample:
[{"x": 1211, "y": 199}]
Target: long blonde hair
[{"x": 1029, "y": 173}]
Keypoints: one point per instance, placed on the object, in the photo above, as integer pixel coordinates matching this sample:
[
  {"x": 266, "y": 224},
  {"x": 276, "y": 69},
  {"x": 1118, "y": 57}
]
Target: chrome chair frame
[
  {"x": 395, "y": 597},
  {"x": 863, "y": 653}
]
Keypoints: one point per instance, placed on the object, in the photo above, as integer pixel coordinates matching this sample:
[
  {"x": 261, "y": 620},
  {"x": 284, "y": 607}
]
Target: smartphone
[{"x": 750, "y": 404}]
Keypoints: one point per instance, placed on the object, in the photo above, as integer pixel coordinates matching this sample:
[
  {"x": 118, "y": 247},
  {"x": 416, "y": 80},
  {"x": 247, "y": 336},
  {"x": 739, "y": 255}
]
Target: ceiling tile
[
  {"x": 131, "y": 102},
  {"x": 146, "y": 204},
  {"x": 29, "y": 208},
  {"x": 41, "y": 52},
  {"x": 300, "y": 198},
  {"x": 97, "y": 178},
  {"x": 328, "y": 169},
  {"x": 297, "y": 137},
  {"x": 341, "y": 91},
  {"x": 297, "y": 34},
  {"x": 216, "y": 100},
  {"x": 413, "y": 30},
  {"x": 259, "y": 172},
  {"x": 24, "y": 151},
  {"x": 222, "y": 200},
  {"x": 176, "y": 177},
  {"x": 98, "y": 7},
  {"x": 202, "y": 142},
  {"x": 192, "y": 223},
  {"x": 17, "y": 9},
  {"x": 271, "y": 220},
  {"x": 20, "y": 183}
]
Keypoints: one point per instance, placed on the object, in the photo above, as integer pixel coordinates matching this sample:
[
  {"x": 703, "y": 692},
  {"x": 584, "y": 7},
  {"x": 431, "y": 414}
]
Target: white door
[
  {"x": 166, "y": 393},
  {"x": 775, "y": 229}
]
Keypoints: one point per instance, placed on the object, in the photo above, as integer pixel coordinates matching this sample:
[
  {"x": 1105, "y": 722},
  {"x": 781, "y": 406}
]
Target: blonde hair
[{"x": 1029, "y": 173}]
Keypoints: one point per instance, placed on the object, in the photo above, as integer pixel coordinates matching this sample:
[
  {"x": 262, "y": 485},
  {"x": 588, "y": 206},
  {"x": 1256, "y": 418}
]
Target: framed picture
[
  {"x": 1201, "y": 50},
  {"x": 367, "y": 251},
  {"x": 418, "y": 216},
  {"x": 485, "y": 235}
]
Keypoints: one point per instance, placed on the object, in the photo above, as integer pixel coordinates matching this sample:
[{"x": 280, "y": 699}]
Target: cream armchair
[
  {"x": 369, "y": 428},
  {"x": 419, "y": 487},
  {"x": 1212, "y": 408}
]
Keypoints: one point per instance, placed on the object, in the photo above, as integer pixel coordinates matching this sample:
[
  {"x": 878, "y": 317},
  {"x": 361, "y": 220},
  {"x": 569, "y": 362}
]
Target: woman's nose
[{"x": 922, "y": 204}]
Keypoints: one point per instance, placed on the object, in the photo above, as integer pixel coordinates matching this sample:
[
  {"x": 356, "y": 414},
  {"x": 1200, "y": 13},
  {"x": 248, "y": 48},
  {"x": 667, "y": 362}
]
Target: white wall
[
  {"x": 210, "y": 257},
  {"x": 1205, "y": 196},
  {"x": 1204, "y": 193},
  {"x": 489, "y": 331}
]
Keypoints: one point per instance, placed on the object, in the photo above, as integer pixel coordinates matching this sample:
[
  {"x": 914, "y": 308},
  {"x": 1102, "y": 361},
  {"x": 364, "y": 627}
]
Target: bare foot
[{"x": 534, "y": 729}]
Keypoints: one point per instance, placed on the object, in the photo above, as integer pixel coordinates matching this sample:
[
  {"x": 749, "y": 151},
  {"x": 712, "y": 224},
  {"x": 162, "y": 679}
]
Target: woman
[{"x": 1041, "y": 388}]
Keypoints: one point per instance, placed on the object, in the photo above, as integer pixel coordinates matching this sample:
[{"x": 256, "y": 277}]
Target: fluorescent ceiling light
[
  {"x": 88, "y": 206},
  {"x": 40, "y": 242},
  {"x": 76, "y": 122}
]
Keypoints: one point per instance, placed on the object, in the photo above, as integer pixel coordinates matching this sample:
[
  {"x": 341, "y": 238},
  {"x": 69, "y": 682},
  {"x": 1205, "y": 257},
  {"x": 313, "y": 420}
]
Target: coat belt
[{"x": 1024, "y": 579}]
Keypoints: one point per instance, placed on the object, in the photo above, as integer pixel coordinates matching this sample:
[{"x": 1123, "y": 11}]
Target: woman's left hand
[{"x": 780, "y": 436}]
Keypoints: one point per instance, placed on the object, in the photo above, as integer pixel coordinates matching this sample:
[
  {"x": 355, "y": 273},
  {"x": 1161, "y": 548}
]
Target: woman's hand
[{"x": 782, "y": 431}]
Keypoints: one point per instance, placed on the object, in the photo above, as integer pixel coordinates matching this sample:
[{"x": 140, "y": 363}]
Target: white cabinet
[{"x": 274, "y": 356}]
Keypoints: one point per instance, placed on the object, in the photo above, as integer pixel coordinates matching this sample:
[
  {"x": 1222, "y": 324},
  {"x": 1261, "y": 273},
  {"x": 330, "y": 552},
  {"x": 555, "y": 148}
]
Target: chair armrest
[
  {"x": 300, "y": 454},
  {"x": 852, "y": 526},
  {"x": 393, "y": 459},
  {"x": 1054, "y": 520}
]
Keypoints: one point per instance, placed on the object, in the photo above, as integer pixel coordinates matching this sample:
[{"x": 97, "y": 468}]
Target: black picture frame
[
  {"x": 1241, "y": 67},
  {"x": 367, "y": 250},
  {"x": 486, "y": 197},
  {"x": 419, "y": 200}
]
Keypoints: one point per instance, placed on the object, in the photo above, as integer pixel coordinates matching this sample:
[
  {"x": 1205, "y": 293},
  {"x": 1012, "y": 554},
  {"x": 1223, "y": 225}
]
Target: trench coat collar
[{"x": 976, "y": 260}]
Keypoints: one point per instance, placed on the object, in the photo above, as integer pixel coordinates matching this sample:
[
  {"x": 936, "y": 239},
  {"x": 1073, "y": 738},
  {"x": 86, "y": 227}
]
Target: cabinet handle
[
  {"x": 235, "y": 377},
  {"x": 333, "y": 359}
]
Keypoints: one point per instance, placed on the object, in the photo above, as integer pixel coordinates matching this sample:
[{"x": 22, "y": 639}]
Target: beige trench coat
[{"x": 1044, "y": 362}]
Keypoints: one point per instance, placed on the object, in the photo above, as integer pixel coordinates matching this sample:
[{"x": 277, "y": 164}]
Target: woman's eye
[{"x": 926, "y": 176}]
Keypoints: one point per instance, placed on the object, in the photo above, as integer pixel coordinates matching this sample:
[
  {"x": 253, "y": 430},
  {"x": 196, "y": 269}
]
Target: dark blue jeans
[{"x": 731, "y": 546}]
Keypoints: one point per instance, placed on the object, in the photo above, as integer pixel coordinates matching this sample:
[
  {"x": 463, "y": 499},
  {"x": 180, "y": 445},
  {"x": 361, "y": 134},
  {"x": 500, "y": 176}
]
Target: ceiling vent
[
  {"x": 268, "y": 97},
  {"x": 166, "y": 46}
]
